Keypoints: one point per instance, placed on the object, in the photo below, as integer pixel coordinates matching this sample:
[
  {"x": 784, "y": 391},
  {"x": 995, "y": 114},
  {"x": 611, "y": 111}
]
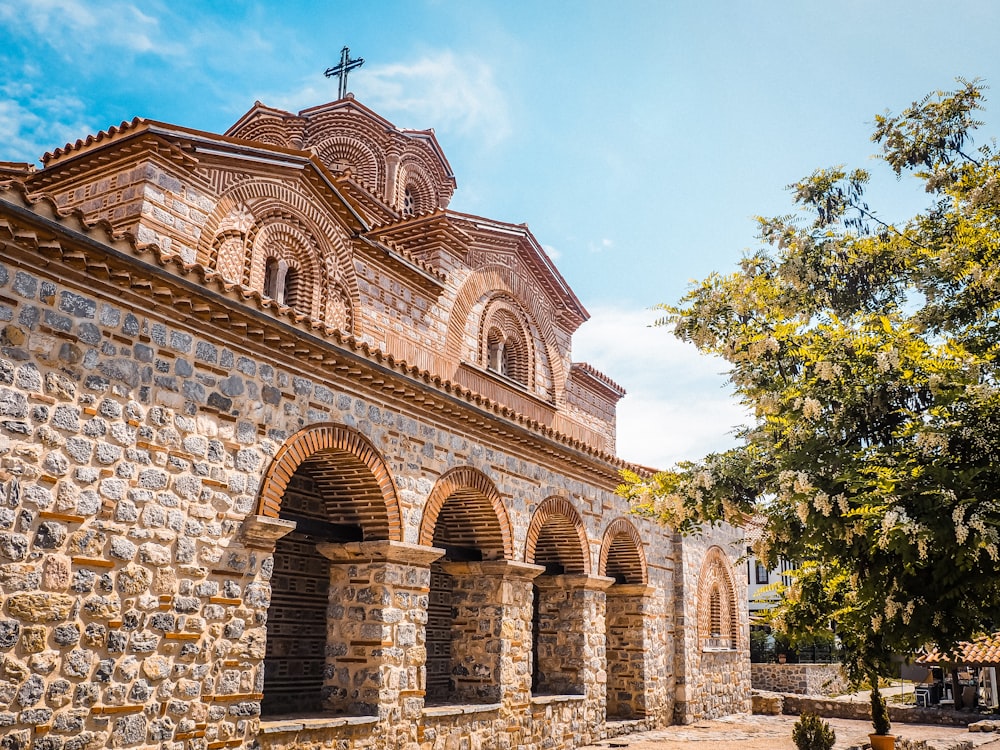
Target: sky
[{"x": 637, "y": 139}]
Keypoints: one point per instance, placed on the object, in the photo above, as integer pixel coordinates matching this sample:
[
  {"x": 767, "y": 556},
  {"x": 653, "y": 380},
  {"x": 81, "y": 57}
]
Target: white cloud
[
  {"x": 600, "y": 247},
  {"x": 445, "y": 91},
  {"x": 76, "y": 24},
  {"x": 677, "y": 405},
  {"x": 450, "y": 92},
  {"x": 32, "y": 123},
  {"x": 553, "y": 253}
]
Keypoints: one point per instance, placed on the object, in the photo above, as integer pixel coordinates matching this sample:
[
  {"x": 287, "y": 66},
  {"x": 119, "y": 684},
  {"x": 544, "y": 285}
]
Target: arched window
[
  {"x": 409, "y": 203},
  {"x": 718, "y": 616},
  {"x": 505, "y": 345},
  {"x": 715, "y": 613},
  {"x": 494, "y": 351}
]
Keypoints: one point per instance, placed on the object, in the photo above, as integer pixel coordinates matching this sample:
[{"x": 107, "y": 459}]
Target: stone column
[
  {"x": 571, "y": 656},
  {"x": 391, "y": 174},
  {"x": 627, "y": 652},
  {"x": 375, "y": 648},
  {"x": 491, "y": 632}
]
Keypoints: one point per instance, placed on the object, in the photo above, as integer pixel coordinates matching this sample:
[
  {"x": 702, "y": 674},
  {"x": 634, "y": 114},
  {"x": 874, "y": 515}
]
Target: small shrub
[
  {"x": 880, "y": 713},
  {"x": 812, "y": 733}
]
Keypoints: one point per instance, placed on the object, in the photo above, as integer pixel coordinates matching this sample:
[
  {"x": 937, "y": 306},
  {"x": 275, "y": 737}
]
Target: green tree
[{"x": 867, "y": 353}]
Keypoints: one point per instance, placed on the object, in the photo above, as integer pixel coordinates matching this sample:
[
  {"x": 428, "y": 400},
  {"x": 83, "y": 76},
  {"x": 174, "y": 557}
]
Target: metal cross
[{"x": 346, "y": 64}]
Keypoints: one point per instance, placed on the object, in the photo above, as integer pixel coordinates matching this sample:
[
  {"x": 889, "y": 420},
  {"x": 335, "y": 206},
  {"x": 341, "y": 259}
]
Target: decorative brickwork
[
  {"x": 257, "y": 490},
  {"x": 474, "y": 514},
  {"x": 718, "y": 618},
  {"x": 354, "y": 478}
]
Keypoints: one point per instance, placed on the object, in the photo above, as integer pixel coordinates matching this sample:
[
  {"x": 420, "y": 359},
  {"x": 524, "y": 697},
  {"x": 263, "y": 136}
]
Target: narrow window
[
  {"x": 292, "y": 290},
  {"x": 272, "y": 271},
  {"x": 762, "y": 574},
  {"x": 409, "y": 204},
  {"x": 715, "y": 614}
]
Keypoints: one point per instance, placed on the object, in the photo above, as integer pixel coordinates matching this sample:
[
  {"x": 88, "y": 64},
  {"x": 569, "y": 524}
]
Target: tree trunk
[{"x": 956, "y": 688}]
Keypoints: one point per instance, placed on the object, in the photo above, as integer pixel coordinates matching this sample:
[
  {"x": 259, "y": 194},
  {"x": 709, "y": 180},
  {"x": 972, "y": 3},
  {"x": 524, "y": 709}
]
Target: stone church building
[{"x": 293, "y": 455}]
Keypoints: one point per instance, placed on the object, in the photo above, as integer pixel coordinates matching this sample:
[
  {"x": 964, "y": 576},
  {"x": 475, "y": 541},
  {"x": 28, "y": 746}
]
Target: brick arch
[
  {"x": 277, "y": 237},
  {"x": 485, "y": 515},
  {"x": 718, "y": 614},
  {"x": 413, "y": 177},
  {"x": 340, "y": 151},
  {"x": 371, "y": 499},
  {"x": 418, "y": 153},
  {"x": 503, "y": 318},
  {"x": 258, "y": 198},
  {"x": 266, "y": 130},
  {"x": 485, "y": 284},
  {"x": 622, "y": 554},
  {"x": 557, "y": 530}
]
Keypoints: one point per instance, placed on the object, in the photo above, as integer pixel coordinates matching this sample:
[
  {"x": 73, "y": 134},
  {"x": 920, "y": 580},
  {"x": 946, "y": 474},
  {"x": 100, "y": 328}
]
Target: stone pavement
[{"x": 756, "y": 732}]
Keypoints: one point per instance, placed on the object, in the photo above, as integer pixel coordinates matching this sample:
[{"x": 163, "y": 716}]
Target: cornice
[
  {"x": 597, "y": 380},
  {"x": 517, "y": 237}
]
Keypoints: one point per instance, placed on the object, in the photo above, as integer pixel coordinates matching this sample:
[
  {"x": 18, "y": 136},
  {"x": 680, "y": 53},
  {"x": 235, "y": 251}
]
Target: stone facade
[{"x": 292, "y": 455}]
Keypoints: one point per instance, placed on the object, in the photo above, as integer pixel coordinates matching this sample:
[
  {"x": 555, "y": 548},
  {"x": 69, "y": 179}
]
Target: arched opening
[
  {"x": 465, "y": 518},
  {"x": 622, "y": 559},
  {"x": 718, "y": 617},
  {"x": 337, "y": 495},
  {"x": 557, "y": 541},
  {"x": 504, "y": 343}
]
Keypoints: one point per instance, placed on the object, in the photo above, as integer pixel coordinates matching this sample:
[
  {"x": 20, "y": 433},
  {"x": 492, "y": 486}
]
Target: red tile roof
[{"x": 980, "y": 652}]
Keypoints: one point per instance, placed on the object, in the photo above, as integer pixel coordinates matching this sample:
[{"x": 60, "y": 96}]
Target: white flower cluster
[
  {"x": 811, "y": 408},
  {"x": 887, "y": 360},
  {"x": 961, "y": 529},
  {"x": 828, "y": 371},
  {"x": 762, "y": 346},
  {"x": 822, "y": 503},
  {"x": 897, "y": 521},
  {"x": 932, "y": 443}
]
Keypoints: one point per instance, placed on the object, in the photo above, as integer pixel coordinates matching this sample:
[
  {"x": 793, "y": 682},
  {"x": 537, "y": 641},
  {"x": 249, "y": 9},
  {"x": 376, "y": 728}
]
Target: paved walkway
[{"x": 757, "y": 732}]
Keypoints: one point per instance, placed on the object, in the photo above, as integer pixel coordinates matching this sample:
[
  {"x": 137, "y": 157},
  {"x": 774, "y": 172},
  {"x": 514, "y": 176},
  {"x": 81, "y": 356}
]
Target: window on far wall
[{"x": 762, "y": 576}]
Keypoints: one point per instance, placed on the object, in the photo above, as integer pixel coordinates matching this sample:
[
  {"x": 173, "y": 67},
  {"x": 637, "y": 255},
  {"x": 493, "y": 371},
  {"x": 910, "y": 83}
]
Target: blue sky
[{"x": 637, "y": 139}]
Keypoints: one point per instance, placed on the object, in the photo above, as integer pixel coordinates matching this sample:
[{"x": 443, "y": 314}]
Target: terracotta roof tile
[{"x": 982, "y": 651}]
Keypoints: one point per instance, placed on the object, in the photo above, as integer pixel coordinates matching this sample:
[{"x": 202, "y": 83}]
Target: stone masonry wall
[
  {"x": 132, "y": 607},
  {"x": 805, "y": 679}
]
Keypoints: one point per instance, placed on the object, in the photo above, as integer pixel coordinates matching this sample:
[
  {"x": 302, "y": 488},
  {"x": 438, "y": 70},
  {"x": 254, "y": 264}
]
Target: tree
[{"x": 867, "y": 353}]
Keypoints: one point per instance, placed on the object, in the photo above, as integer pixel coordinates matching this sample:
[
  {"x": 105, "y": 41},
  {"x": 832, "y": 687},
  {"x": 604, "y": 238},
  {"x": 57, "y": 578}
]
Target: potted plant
[
  {"x": 812, "y": 733},
  {"x": 881, "y": 739}
]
